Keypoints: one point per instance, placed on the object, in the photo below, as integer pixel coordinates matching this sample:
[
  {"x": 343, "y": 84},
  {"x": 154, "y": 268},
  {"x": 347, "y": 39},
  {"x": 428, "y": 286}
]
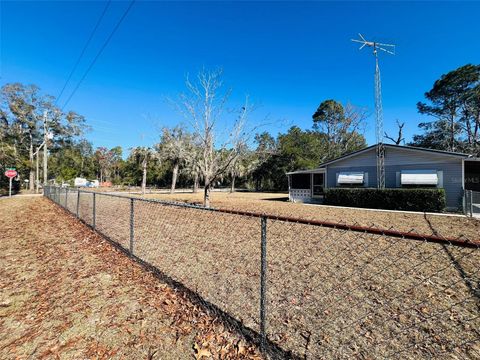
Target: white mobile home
[{"x": 405, "y": 166}]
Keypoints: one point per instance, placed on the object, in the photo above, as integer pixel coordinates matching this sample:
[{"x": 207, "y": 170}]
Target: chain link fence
[
  {"x": 303, "y": 289},
  {"x": 472, "y": 203}
]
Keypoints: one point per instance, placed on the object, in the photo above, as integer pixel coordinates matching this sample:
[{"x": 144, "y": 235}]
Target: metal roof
[
  {"x": 361, "y": 151},
  {"x": 311, "y": 171}
]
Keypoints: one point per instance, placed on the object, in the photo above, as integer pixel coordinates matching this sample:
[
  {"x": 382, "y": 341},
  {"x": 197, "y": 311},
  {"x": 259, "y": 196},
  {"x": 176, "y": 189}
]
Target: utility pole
[
  {"x": 37, "y": 179},
  {"x": 37, "y": 175},
  {"x": 45, "y": 148},
  {"x": 47, "y": 136}
]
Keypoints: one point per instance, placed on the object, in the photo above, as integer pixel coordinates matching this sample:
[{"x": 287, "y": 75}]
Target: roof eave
[{"x": 412, "y": 148}]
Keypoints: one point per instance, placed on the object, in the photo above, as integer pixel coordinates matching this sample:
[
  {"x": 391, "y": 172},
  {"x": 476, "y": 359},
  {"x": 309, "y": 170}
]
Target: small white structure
[{"x": 78, "y": 182}]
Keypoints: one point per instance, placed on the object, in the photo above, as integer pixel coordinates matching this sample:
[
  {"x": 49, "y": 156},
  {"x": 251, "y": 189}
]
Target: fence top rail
[{"x": 411, "y": 235}]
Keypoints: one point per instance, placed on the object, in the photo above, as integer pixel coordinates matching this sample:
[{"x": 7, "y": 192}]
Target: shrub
[{"x": 431, "y": 200}]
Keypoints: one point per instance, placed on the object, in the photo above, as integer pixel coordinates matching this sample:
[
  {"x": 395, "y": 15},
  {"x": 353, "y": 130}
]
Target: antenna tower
[{"x": 380, "y": 148}]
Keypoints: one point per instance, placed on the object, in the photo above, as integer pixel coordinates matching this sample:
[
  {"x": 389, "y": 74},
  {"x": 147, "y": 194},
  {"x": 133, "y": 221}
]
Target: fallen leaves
[
  {"x": 85, "y": 299},
  {"x": 201, "y": 352}
]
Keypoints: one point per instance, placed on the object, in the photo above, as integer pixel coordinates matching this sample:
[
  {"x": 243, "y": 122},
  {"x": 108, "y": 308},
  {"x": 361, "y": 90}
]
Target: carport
[{"x": 471, "y": 181}]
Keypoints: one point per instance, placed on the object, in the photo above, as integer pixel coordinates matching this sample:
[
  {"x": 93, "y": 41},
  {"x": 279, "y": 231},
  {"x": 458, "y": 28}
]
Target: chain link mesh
[
  {"x": 331, "y": 291},
  {"x": 85, "y": 207},
  {"x": 113, "y": 218},
  {"x": 356, "y": 295},
  {"x": 205, "y": 251},
  {"x": 472, "y": 203}
]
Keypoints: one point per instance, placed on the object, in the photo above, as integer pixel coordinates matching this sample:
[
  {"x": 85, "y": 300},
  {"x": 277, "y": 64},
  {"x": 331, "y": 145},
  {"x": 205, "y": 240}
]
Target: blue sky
[{"x": 287, "y": 56}]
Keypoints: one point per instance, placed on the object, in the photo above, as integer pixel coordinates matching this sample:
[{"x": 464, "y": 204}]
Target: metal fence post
[
  {"x": 132, "y": 220},
  {"x": 78, "y": 201},
  {"x": 93, "y": 215},
  {"x": 263, "y": 282},
  {"x": 471, "y": 203},
  {"x": 66, "y": 198}
]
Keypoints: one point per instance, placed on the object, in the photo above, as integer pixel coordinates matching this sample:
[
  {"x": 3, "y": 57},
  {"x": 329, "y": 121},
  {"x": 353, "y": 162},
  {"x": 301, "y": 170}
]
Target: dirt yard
[
  {"x": 66, "y": 293},
  {"x": 276, "y": 204},
  {"x": 331, "y": 293}
]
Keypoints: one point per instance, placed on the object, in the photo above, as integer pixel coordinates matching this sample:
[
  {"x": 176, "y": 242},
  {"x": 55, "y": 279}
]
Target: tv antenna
[{"x": 379, "y": 134}]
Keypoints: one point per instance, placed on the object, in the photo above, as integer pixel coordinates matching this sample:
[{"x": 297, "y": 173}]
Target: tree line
[{"x": 218, "y": 144}]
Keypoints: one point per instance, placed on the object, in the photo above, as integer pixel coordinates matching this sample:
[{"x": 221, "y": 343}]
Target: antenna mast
[{"x": 379, "y": 134}]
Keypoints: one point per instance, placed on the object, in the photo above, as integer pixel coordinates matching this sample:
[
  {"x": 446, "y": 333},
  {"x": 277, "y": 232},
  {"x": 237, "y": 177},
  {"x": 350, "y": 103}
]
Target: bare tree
[
  {"x": 143, "y": 155},
  {"x": 400, "y": 137},
  {"x": 104, "y": 157},
  {"x": 203, "y": 105}
]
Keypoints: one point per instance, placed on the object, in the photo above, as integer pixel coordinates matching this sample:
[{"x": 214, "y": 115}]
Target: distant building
[
  {"x": 405, "y": 166},
  {"x": 80, "y": 182}
]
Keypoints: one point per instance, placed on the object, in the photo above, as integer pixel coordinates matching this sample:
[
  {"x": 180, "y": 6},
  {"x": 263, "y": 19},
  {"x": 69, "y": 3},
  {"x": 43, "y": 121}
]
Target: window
[
  {"x": 350, "y": 178},
  {"x": 419, "y": 178},
  {"x": 300, "y": 181}
]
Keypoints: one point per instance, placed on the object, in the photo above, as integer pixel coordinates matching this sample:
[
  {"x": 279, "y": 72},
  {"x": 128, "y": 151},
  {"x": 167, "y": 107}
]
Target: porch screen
[{"x": 300, "y": 181}]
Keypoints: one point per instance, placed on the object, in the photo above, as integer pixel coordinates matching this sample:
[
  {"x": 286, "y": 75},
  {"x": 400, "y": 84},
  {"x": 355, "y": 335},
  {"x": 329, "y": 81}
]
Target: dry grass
[
  {"x": 276, "y": 204},
  {"x": 331, "y": 293},
  {"x": 66, "y": 293}
]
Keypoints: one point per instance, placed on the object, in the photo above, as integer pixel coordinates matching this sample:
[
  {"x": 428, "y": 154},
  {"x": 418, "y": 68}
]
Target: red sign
[{"x": 10, "y": 173}]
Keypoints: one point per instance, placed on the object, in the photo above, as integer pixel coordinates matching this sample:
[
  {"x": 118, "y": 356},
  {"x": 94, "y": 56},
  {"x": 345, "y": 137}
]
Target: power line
[
  {"x": 100, "y": 52},
  {"x": 83, "y": 50}
]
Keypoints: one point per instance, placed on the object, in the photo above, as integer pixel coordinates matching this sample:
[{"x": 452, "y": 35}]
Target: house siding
[{"x": 396, "y": 160}]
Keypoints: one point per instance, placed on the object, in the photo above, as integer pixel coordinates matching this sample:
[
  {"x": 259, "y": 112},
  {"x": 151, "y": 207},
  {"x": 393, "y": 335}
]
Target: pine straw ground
[{"x": 66, "y": 293}]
